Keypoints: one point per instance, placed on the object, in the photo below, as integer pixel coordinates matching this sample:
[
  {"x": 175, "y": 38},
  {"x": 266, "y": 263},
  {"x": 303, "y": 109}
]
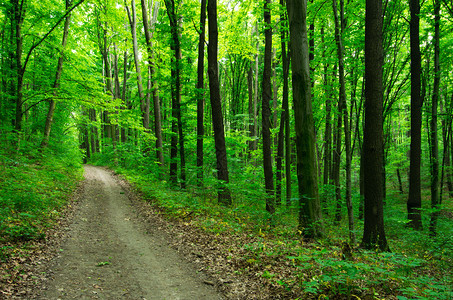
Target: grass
[
  {"x": 420, "y": 267},
  {"x": 34, "y": 187}
]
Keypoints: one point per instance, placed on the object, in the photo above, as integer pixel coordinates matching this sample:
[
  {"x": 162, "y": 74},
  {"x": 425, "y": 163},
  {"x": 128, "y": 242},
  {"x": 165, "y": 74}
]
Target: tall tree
[
  {"x": 200, "y": 92},
  {"x": 309, "y": 209},
  {"x": 133, "y": 24},
  {"x": 224, "y": 194},
  {"x": 266, "y": 110},
  {"x": 283, "y": 133},
  {"x": 56, "y": 84},
  {"x": 343, "y": 112},
  {"x": 373, "y": 231},
  {"x": 148, "y": 27},
  {"x": 175, "y": 45},
  {"x": 434, "y": 140},
  {"x": 19, "y": 9},
  {"x": 414, "y": 202},
  {"x": 104, "y": 48}
]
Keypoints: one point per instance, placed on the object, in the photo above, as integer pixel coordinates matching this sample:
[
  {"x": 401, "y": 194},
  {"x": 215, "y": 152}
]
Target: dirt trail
[{"x": 110, "y": 253}]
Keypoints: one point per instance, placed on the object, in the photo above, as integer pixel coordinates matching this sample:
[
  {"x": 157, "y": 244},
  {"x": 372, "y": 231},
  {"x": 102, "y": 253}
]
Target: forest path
[{"x": 111, "y": 253}]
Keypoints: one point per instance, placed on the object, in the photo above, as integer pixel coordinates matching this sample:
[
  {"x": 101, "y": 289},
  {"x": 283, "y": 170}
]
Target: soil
[{"x": 112, "y": 251}]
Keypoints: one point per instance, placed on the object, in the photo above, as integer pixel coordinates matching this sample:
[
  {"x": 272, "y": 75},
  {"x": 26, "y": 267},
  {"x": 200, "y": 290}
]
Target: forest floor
[
  {"x": 112, "y": 244},
  {"x": 110, "y": 250}
]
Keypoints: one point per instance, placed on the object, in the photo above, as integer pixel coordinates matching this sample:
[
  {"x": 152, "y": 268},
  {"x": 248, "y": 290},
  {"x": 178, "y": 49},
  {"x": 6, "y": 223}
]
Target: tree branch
[{"x": 33, "y": 47}]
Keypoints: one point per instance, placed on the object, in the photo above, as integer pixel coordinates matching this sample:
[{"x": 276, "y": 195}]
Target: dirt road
[{"x": 110, "y": 253}]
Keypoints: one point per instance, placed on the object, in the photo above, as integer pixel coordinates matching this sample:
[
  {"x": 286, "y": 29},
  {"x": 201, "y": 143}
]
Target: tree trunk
[
  {"x": 224, "y": 195},
  {"x": 19, "y": 15},
  {"x": 141, "y": 95},
  {"x": 94, "y": 138},
  {"x": 435, "y": 205},
  {"x": 414, "y": 202},
  {"x": 309, "y": 211},
  {"x": 123, "y": 95},
  {"x": 285, "y": 105},
  {"x": 336, "y": 165},
  {"x": 151, "y": 70},
  {"x": 56, "y": 84},
  {"x": 266, "y": 111},
  {"x": 284, "y": 116},
  {"x": 373, "y": 232},
  {"x": 107, "y": 75},
  {"x": 200, "y": 93},
  {"x": 251, "y": 110},
  {"x": 176, "y": 96},
  {"x": 343, "y": 111},
  {"x": 449, "y": 150},
  {"x": 254, "y": 125}
]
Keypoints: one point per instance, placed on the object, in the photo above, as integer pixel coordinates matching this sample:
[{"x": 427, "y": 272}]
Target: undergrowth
[
  {"x": 420, "y": 267},
  {"x": 34, "y": 187}
]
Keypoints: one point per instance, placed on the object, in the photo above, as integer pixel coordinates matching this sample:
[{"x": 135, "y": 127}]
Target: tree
[
  {"x": 373, "y": 231},
  {"x": 414, "y": 202},
  {"x": 200, "y": 92},
  {"x": 133, "y": 24},
  {"x": 343, "y": 112},
  {"x": 175, "y": 45},
  {"x": 266, "y": 111},
  {"x": 18, "y": 17},
  {"x": 224, "y": 195},
  {"x": 149, "y": 32},
  {"x": 309, "y": 208},
  {"x": 284, "y": 131},
  {"x": 435, "y": 200},
  {"x": 56, "y": 84}
]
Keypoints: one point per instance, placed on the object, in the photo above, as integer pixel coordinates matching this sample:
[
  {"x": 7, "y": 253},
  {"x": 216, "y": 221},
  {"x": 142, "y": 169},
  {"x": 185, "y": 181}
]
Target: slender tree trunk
[
  {"x": 123, "y": 95},
  {"x": 414, "y": 201},
  {"x": 19, "y": 15},
  {"x": 149, "y": 32},
  {"x": 274, "y": 94},
  {"x": 287, "y": 127},
  {"x": 284, "y": 114},
  {"x": 107, "y": 76},
  {"x": 255, "y": 98},
  {"x": 336, "y": 164},
  {"x": 200, "y": 93},
  {"x": 224, "y": 195},
  {"x": 56, "y": 84},
  {"x": 266, "y": 111},
  {"x": 328, "y": 127},
  {"x": 251, "y": 110},
  {"x": 450, "y": 176},
  {"x": 449, "y": 150},
  {"x": 435, "y": 205},
  {"x": 309, "y": 211},
  {"x": 446, "y": 135},
  {"x": 116, "y": 90},
  {"x": 373, "y": 232},
  {"x": 141, "y": 95},
  {"x": 94, "y": 131},
  {"x": 176, "y": 95},
  {"x": 343, "y": 111}
]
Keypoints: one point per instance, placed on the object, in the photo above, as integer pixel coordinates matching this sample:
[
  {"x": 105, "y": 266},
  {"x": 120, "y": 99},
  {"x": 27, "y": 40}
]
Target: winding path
[{"x": 110, "y": 253}]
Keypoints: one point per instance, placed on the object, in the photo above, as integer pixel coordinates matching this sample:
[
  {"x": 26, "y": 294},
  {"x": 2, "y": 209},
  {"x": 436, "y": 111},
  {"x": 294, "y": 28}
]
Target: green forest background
[{"x": 88, "y": 82}]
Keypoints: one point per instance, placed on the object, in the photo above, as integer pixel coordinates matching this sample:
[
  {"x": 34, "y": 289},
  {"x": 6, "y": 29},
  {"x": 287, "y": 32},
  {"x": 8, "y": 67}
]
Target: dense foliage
[{"x": 128, "y": 95}]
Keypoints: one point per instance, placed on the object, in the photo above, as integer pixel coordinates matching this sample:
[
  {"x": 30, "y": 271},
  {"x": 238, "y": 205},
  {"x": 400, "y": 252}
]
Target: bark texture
[
  {"x": 224, "y": 194},
  {"x": 414, "y": 202},
  {"x": 309, "y": 211},
  {"x": 373, "y": 233}
]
